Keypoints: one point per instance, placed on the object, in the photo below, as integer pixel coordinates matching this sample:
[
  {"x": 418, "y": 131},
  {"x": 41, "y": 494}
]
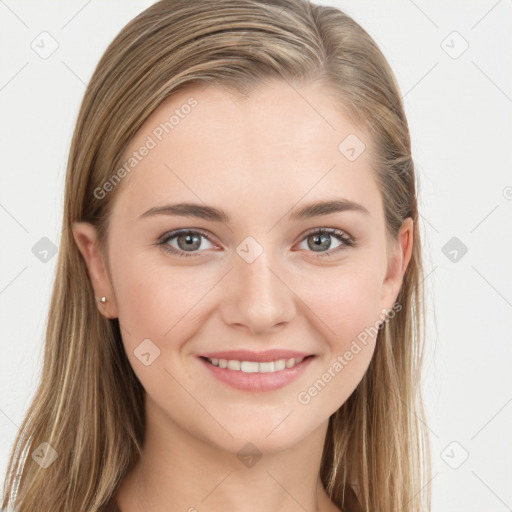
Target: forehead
[{"x": 274, "y": 147}]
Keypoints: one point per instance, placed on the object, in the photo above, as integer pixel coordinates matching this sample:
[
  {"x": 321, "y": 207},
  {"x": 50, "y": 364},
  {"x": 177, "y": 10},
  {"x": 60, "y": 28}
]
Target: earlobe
[{"x": 85, "y": 236}]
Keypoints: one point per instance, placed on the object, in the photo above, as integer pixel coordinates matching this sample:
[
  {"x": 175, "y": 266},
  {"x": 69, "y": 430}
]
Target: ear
[
  {"x": 85, "y": 236},
  {"x": 400, "y": 257}
]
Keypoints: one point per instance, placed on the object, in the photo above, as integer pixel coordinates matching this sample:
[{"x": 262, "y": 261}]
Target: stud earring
[{"x": 102, "y": 300}]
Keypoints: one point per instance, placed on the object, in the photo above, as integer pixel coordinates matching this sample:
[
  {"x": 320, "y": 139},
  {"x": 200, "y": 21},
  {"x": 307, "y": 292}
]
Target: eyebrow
[{"x": 214, "y": 214}]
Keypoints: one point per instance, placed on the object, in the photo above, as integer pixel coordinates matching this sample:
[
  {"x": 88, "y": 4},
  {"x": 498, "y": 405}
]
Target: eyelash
[{"x": 341, "y": 235}]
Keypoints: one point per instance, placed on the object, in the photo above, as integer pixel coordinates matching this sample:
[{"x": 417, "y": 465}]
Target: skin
[{"x": 258, "y": 159}]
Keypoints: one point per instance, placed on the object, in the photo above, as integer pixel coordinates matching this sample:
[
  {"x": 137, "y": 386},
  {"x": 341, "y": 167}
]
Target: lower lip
[{"x": 257, "y": 381}]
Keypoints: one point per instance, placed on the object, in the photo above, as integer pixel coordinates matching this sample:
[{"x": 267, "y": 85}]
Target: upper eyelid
[{"x": 173, "y": 234}]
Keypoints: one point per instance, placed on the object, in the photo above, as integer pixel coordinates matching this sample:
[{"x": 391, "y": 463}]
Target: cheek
[
  {"x": 345, "y": 311},
  {"x": 346, "y": 317},
  {"x": 158, "y": 312},
  {"x": 346, "y": 302},
  {"x": 158, "y": 303}
]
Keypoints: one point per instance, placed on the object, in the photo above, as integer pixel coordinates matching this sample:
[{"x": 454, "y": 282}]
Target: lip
[
  {"x": 257, "y": 382},
  {"x": 257, "y": 357}
]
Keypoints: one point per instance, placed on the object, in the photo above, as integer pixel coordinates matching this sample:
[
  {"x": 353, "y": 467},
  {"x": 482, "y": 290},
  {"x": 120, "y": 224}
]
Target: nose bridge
[{"x": 259, "y": 299}]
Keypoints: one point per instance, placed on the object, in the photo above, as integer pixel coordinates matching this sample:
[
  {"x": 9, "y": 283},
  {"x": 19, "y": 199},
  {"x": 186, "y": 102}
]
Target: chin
[{"x": 265, "y": 440}]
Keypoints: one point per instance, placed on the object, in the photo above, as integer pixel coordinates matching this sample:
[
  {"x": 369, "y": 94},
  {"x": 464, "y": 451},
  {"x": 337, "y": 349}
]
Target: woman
[{"x": 237, "y": 317}]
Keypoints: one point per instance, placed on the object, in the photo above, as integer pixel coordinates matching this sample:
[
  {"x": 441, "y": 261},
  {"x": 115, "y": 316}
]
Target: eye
[
  {"x": 187, "y": 241},
  {"x": 319, "y": 239}
]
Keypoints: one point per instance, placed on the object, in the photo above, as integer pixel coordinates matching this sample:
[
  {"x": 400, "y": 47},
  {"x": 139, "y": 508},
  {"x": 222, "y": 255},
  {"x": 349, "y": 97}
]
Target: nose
[{"x": 257, "y": 297}]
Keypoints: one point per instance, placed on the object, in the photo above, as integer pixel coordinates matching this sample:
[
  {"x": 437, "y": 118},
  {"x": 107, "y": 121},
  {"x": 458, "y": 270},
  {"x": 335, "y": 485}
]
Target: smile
[
  {"x": 256, "y": 376},
  {"x": 254, "y": 366}
]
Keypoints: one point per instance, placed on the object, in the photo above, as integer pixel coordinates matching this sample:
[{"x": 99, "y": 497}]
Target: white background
[{"x": 459, "y": 110}]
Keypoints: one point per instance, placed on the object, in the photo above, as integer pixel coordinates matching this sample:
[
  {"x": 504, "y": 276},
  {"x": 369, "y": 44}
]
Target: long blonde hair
[{"x": 89, "y": 406}]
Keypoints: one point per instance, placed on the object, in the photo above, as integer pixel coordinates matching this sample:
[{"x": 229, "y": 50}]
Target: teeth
[
  {"x": 266, "y": 367},
  {"x": 249, "y": 367},
  {"x": 279, "y": 365},
  {"x": 255, "y": 367},
  {"x": 234, "y": 365}
]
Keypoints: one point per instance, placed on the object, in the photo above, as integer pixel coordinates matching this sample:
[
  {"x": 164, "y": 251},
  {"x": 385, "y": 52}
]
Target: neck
[{"x": 179, "y": 472}]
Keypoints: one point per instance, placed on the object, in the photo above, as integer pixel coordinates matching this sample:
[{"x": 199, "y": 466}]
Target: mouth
[
  {"x": 256, "y": 376},
  {"x": 273, "y": 366}
]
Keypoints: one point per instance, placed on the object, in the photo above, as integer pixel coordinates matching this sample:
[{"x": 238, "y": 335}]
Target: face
[{"x": 263, "y": 278}]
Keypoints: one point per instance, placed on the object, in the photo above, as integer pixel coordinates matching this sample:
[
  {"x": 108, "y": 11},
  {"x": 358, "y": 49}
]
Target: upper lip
[{"x": 259, "y": 357}]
